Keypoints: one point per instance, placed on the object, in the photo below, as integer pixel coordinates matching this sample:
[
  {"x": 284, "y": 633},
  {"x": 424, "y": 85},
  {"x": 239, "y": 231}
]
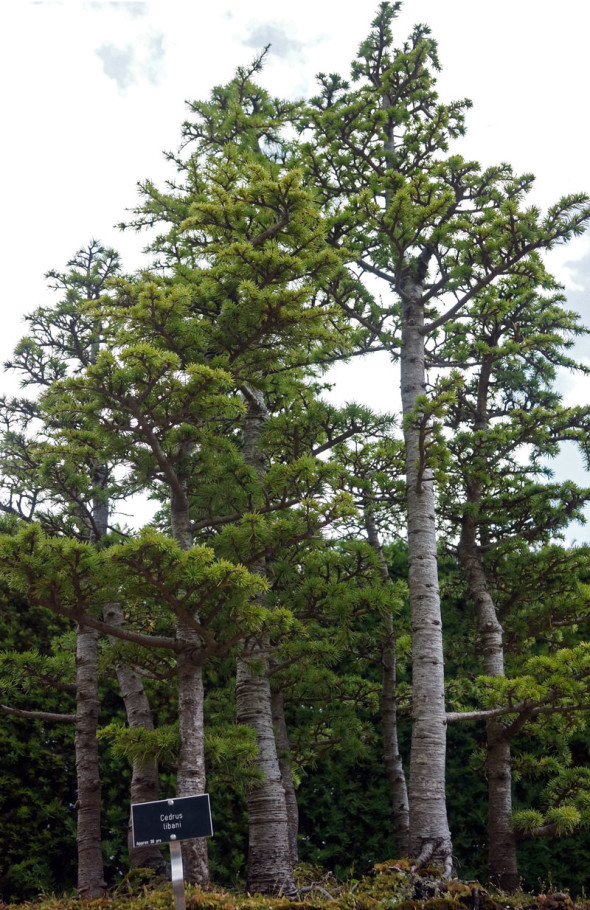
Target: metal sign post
[
  {"x": 170, "y": 821},
  {"x": 177, "y": 875}
]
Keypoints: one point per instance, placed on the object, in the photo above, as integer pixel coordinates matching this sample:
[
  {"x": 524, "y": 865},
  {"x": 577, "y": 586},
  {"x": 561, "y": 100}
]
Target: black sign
[{"x": 171, "y": 819}]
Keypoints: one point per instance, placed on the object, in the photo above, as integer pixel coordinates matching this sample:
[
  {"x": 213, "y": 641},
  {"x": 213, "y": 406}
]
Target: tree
[
  {"x": 271, "y": 254},
  {"x": 63, "y": 339},
  {"x": 516, "y": 336},
  {"x": 437, "y": 231},
  {"x": 236, "y": 317}
]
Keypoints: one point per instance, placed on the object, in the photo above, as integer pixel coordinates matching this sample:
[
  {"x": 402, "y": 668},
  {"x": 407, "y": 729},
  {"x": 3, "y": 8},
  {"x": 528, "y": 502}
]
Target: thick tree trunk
[
  {"x": 191, "y": 775},
  {"x": 284, "y": 752},
  {"x": 91, "y": 881},
  {"x": 270, "y": 869},
  {"x": 430, "y": 838},
  {"x": 394, "y": 769},
  {"x": 144, "y": 775},
  {"x": 269, "y": 856}
]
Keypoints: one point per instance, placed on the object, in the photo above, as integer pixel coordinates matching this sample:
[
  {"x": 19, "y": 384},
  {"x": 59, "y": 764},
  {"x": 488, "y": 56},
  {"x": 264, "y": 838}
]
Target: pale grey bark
[
  {"x": 191, "y": 775},
  {"x": 144, "y": 774},
  {"x": 91, "y": 881},
  {"x": 269, "y": 855},
  {"x": 270, "y": 869},
  {"x": 502, "y": 856},
  {"x": 394, "y": 769},
  {"x": 430, "y": 837},
  {"x": 284, "y": 753}
]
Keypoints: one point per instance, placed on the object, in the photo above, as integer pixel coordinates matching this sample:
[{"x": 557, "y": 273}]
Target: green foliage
[
  {"x": 37, "y": 797},
  {"x": 527, "y": 820},
  {"x": 279, "y": 212},
  {"x": 139, "y": 744}
]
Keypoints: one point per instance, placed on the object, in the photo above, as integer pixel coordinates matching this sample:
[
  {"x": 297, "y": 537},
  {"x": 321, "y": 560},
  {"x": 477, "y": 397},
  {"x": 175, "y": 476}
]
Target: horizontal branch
[
  {"x": 452, "y": 717},
  {"x": 522, "y": 707},
  {"x": 137, "y": 638},
  {"x": 237, "y": 516},
  {"x": 549, "y": 830},
  {"x": 39, "y": 715},
  {"x": 369, "y": 267}
]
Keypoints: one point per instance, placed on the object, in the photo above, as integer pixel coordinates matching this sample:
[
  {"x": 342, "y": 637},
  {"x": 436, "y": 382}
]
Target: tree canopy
[{"x": 326, "y": 594}]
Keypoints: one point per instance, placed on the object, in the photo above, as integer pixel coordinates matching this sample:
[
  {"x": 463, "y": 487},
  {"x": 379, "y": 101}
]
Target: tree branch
[{"x": 39, "y": 715}]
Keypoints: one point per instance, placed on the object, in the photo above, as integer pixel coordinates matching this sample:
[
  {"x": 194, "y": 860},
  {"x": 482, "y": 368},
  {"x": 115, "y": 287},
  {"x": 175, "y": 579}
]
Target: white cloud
[
  {"x": 275, "y": 35},
  {"x": 132, "y": 8},
  {"x": 118, "y": 63},
  {"x": 128, "y": 64},
  {"x": 571, "y": 264}
]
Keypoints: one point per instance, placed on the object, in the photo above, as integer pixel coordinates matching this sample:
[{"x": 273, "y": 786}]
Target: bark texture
[
  {"x": 502, "y": 858},
  {"x": 91, "y": 883},
  {"x": 191, "y": 775},
  {"x": 430, "y": 838},
  {"x": 284, "y": 752},
  {"x": 270, "y": 868},
  {"x": 502, "y": 855},
  {"x": 392, "y": 759},
  {"x": 269, "y": 856},
  {"x": 144, "y": 775}
]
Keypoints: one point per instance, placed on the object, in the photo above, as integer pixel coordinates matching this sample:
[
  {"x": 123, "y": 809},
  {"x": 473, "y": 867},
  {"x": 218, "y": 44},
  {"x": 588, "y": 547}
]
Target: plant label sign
[{"x": 169, "y": 820}]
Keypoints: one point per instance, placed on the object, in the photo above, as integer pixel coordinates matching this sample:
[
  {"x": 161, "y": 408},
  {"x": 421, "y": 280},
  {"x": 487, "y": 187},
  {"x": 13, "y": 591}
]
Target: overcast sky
[{"x": 95, "y": 91}]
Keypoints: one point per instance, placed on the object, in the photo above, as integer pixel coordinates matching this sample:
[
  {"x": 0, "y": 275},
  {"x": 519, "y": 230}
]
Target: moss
[
  {"x": 306, "y": 874},
  {"x": 197, "y": 899},
  {"x": 389, "y": 881},
  {"x": 397, "y": 865},
  {"x": 389, "y": 886},
  {"x": 442, "y": 903},
  {"x": 489, "y": 904},
  {"x": 460, "y": 890},
  {"x": 365, "y": 903}
]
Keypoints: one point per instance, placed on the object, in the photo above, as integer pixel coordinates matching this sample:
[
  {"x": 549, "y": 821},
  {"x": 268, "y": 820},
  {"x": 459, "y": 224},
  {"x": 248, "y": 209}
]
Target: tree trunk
[
  {"x": 270, "y": 869},
  {"x": 191, "y": 776},
  {"x": 284, "y": 751},
  {"x": 144, "y": 775},
  {"x": 430, "y": 838},
  {"x": 269, "y": 856},
  {"x": 91, "y": 883},
  {"x": 394, "y": 769},
  {"x": 502, "y": 857}
]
